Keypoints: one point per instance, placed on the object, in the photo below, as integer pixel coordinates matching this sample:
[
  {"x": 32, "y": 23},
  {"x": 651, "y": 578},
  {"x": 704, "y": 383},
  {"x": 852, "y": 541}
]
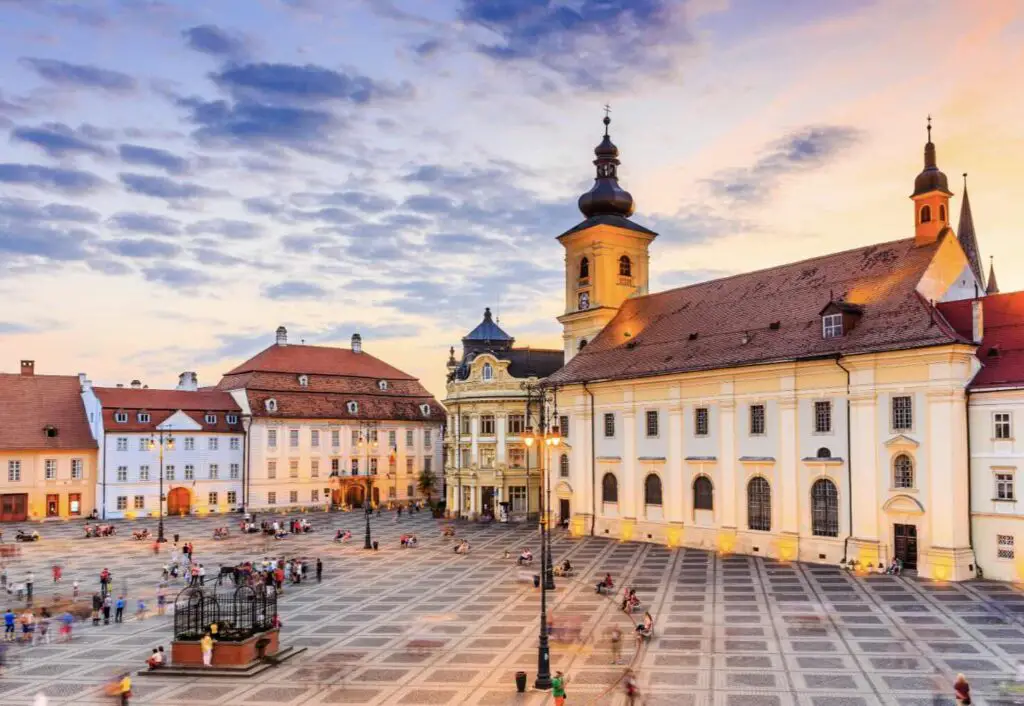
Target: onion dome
[
  {"x": 606, "y": 197},
  {"x": 930, "y": 179}
]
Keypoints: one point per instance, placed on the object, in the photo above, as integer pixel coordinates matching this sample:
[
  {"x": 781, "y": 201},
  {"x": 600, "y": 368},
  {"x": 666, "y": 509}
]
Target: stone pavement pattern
[{"x": 730, "y": 631}]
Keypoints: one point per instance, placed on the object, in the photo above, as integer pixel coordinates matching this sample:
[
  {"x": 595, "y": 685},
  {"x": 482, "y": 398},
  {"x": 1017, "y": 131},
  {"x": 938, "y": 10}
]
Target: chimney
[
  {"x": 120, "y": 385},
  {"x": 977, "y": 321},
  {"x": 136, "y": 385},
  {"x": 282, "y": 336},
  {"x": 357, "y": 343},
  {"x": 28, "y": 367},
  {"x": 188, "y": 382},
  {"x": 84, "y": 382}
]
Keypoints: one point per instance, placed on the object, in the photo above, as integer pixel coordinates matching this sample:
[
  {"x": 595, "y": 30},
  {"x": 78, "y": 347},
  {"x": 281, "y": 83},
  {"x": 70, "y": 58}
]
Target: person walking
[
  {"x": 962, "y": 690},
  {"x": 616, "y": 640},
  {"x": 30, "y": 580},
  {"x": 56, "y": 573},
  {"x": 119, "y": 610},
  {"x": 43, "y": 627},
  {"x": 558, "y": 688},
  {"x": 124, "y": 688},
  {"x": 106, "y": 610},
  {"x": 319, "y": 569},
  {"x": 97, "y": 606},
  {"x": 206, "y": 644},
  {"x": 9, "y": 626},
  {"x": 202, "y": 575},
  {"x": 74, "y": 590},
  {"x": 629, "y": 685}
]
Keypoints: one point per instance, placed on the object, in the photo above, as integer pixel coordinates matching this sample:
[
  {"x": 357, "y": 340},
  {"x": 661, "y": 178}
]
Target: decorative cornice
[
  {"x": 701, "y": 459},
  {"x": 757, "y": 459}
]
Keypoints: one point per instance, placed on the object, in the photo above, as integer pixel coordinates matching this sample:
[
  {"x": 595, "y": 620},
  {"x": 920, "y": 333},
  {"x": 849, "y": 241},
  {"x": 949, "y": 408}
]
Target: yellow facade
[{"x": 25, "y": 475}]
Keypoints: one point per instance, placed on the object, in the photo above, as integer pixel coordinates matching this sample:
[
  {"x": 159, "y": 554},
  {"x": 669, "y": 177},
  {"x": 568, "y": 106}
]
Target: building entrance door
[
  {"x": 905, "y": 545},
  {"x": 354, "y": 495},
  {"x": 487, "y": 499},
  {"x": 14, "y": 507},
  {"x": 179, "y": 501},
  {"x": 376, "y": 495},
  {"x": 563, "y": 512},
  {"x": 52, "y": 505}
]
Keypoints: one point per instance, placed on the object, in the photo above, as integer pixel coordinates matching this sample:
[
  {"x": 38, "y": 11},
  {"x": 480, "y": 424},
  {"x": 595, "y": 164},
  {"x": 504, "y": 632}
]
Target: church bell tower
[
  {"x": 931, "y": 197},
  {"x": 606, "y": 255}
]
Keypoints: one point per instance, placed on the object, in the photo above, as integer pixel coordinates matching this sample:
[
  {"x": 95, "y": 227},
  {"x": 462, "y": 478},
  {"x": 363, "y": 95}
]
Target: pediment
[
  {"x": 901, "y": 440},
  {"x": 563, "y": 488},
  {"x": 903, "y": 505},
  {"x": 179, "y": 421}
]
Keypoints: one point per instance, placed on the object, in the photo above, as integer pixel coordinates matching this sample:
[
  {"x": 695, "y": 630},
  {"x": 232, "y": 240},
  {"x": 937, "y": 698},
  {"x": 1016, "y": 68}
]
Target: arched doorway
[
  {"x": 376, "y": 495},
  {"x": 354, "y": 495},
  {"x": 179, "y": 501}
]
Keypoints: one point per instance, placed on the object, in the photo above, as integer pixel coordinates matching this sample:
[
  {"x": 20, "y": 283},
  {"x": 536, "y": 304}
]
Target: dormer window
[
  {"x": 382, "y": 385},
  {"x": 271, "y": 405},
  {"x": 231, "y": 418},
  {"x": 50, "y": 431},
  {"x": 211, "y": 418},
  {"x": 425, "y": 410},
  {"x": 831, "y": 325},
  {"x": 353, "y": 407},
  {"x": 303, "y": 381},
  {"x": 143, "y": 417},
  {"x": 121, "y": 417},
  {"x": 488, "y": 372}
]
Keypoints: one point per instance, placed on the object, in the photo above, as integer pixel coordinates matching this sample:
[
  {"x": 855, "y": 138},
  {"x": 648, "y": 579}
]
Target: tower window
[
  {"x": 625, "y": 267},
  {"x": 942, "y": 213},
  {"x": 584, "y": 268},
  {"x": 926, "y": 214},
  {"x": 488, "y": 372}
]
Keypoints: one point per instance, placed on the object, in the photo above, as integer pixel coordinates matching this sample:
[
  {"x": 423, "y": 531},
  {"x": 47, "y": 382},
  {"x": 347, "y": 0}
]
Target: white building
[
  {"x": 202, "y": 466},
  {"x": 329, "y": 422}
]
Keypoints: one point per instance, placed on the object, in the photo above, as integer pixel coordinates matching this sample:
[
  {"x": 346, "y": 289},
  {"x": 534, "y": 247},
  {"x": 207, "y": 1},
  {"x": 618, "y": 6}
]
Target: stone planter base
[{"x": 188, "y": 653}]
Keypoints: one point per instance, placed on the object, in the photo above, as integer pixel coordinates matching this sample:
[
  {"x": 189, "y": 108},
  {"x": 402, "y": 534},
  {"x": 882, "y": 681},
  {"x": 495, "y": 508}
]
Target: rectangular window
[
  {"x": 140, "y": 502},
  {"x": 190, "y": 472},
  {"x": 756, "y": 419},
  {"x": 214, "y": 471},
  {"x": 517, "y": 457},
  {"x": 563, "y": 426},
  {"x": 168, "y": 472},
  {"x": 314, "y": 438},
  {"x": 700, "y": 421},
  {"x": 232, "y": 497},
  {"x": 190, "y": 443},
  {"x": 293, "y": 468},
  {"x": 609, "y": 425},
  {"x": 271, "y": 469},
  {"x": 652, "y": 423},
  {"x": 143, "y": 473},
  {"x": 121, "y": 417},
  {"x": 372, "y": 434},
  {"x": 76, "y": 469},
  {"x": 487, "y": 456},
  {"x": 466, "y": 425},
  {"x": 355, "y": 466},
  {"x": 408, "y": 465},
  {"x": 832, "y": 326},
  {"x": 428, "y": 463},
  {"x": 235, "y": 444},
  {"x": 466, "y": 456},
  {"x": 75, "y": 503},
  {"x": 487, "y": 425},
  {"x": 122, "y": 474},
  {"x": 335, "y": 466},
  {"x": 14, "y": 471},
  {"x": 293, "y": 497},
  {"x": 143, "y": 417},
  {"x": 427, "y": 439},
  {"x": 211, "y": 499},
  {"x": 392, "y": 438},
  {"x": 392, "y": 492},
  {"x": 122, "y": 443},
  {"x": 410, "y": 491},
  {"x": 823, "y": 417},
  {"x": 122, "y": 502},
  {"x": 1004, "y": 486},
  {"x": 271, "y": 438},
  {"x": 271, "y": 498},
  {"x": 410, "y": 439},
  {"x": 314, "y": 468},
  {"x": 516, "y": 424},
  {"x": 211, "y": 418},
  {"x": 293, "y": 438},
  {"x": 373, "y": 466},
  {"x": 902, "y": 413},
  {"x": 1004, "y": 546},
  {"x": 144, "y": 444},
  {"x": 50, "y": 466},
  {"x": 233, "y": 471},
  {"x": 517, "y": 495},
  {"x": 314, "y": 495},
  {"x": 212, "y": 443},
  {"x": 335, "y": 438},
  {"x": 1003, "y": 427},
  {"x": 355, "y": 438},
  {"x": 231, "y": 418}
]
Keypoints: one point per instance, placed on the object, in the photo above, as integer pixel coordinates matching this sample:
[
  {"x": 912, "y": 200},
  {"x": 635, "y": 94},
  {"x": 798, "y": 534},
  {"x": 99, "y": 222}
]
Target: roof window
[
  {"x": 382, "y": 385},
  {"x": 121, "y": 417},
  {"x": 143, "y": 417},
  {"x": 271, "y": 405},
  {"x": 211, "y": 418},
  {"x": 50, "y": 431},
  {"x": 353, "y": 407},
  {"x": 303, "y": 381},
  {"x": 425, "y": 410}
]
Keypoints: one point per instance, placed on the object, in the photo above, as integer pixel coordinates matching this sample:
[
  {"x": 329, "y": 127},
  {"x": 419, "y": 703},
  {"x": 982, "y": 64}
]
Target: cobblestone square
[{"x": 730, "y": 630}]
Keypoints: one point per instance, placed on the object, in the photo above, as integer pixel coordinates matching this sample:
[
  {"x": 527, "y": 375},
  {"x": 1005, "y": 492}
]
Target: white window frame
[
  {"x": 214, "y": 471},
  {"x": 144, "y": 444},
  {"x": 832, "y": 326},
  {"x": 122, "y": 474},
  {"x": 335, "y": 438},
  {"x": 210, "y": 418},
  {"x": 652, "y": 423},
  {"x": 190, "y": 443},
  {"x": 231, "y": 418},
  {"x": 487, "y": 372},
  {"x": 755, "y": 409},
  {"x": 121, "y": 417},
  {"x": 410, "y": 438},
  {"x": 822, "y": 410},
  {"x": 50, "y": 468},
  {"x": 122, "y": 443},
  {"x": 1002, "y": 426},
  {"x": 77, "y": 468},
  {"x": 293, "y": 468},
  {"x": 168, "y": 472},
  {"x": 235, "y": 444},
  {"x": 314, "y": 468},
  {"x": 234, "y": 470},
  {"x": 122, "y": 502},
  {"x": 382, "y": 385},
  {"x": 144, "y": 472},
  {"x": 487, "y": 420},
  {"x": 271, "y": 438},
  {"x": 143, "y": 417},
  {"x": 190, "y": 471},
  {"x": 1004, "y": 484},
  {"x": 293, "y": 438},
  {"x": 427, "y": 439},
  {"x": 272, "y": 469},
  {"x": 212, "y": 444},
  {"x": 901, "y": 419}
]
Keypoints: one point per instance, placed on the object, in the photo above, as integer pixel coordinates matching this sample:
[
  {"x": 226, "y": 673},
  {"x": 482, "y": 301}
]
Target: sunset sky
[{"x": 178, "y": 178}]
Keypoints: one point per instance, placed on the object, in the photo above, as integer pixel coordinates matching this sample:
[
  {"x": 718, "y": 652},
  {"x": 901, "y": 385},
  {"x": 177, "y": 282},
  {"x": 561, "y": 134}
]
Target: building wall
[
  {"x": 33, "y": 480},
  {"x": 786, "y": 455}
]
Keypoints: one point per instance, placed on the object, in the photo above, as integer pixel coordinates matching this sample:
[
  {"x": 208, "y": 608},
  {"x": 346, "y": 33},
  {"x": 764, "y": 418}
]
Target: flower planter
[{"x": 225, "y": 654}]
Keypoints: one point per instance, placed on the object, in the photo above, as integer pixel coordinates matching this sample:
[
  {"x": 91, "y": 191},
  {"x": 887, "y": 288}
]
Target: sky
[{"x": 179, "y": 178}]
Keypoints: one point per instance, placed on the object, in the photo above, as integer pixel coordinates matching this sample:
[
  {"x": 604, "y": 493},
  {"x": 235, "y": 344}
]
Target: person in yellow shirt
[
  {"x": 206, "y": 644},
  {"x": 125, "y": 688}
]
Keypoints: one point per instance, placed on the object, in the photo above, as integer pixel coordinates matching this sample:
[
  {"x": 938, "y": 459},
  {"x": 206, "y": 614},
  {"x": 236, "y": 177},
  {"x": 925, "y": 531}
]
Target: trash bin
[
  {"x": 536, "y": 581},
  {"x": 520, "y": 682},
  {"x": 374, "y": 545}
]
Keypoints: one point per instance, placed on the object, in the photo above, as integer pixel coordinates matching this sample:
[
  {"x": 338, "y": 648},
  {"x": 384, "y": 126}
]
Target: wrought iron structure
[{"x": 238, "y": 612}]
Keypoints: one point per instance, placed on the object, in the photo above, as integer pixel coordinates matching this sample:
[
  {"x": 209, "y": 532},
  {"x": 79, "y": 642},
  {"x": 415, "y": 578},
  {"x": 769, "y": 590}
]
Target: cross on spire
[
  {"x": 607, "y": 118},
  {"x": 929, "y": 127}
]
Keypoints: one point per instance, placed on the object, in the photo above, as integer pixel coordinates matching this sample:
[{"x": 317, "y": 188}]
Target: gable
[{"x": 179, "y": 421}]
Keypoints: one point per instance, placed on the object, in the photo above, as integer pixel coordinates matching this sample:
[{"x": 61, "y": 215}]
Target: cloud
[
  {"x": 164, "y": 188},
  {"x": 294, "y": 289},
  {"x": 145, "y": 247},
  {"x": 593, "y": 45},
  {"x": 174, "y": 276},
  {"x": 211, "y": 39},
  {"x": 359, "y": 200},
  {"x": 9, "y": 328},
  {"x": 62, "y": 73},
  {"x": 369, "y": 332},
  {"x": 24, "y": 210},
  {"x": 153, "y": 157},
  {"x": 257, "y": 124},
  {"x": 262, "y": 206},
  {"x": 56, "y": 139},
  {"x": 264, "y": 82},
  {"x": 803, "y": 150},
  {"x": 428, "y": 48},
  {"x": 70, "y": 181},
  {"x": 44, "y": 241},
  {"x": 145, "y": 223},
  {"x": 109, "y": 267},
  {"x": 212, "y": 256},
  {"x": 237, "y": 230}
]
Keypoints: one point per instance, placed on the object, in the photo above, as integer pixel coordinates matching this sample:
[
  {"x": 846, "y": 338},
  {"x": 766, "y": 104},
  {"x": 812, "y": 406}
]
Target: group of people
[
  {"x": 407, "y": 540},
  {"x": 220, "y": 533},
  {"x": 22, "y": 536},
  {"x": 462, "y": 547},
  {"x": 102, "y": 531},
  {"x": 157, "y": 659},
  {"x": 102, "y": 605},
  {"x": 35, "y": 629},
  {"x": 141, "y": 534}
]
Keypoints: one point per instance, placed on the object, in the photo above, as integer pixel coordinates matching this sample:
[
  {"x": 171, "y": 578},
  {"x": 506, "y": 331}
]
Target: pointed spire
[
  {"x": 930, "y": 179},
  {"x": 968, "y": 240},
  {"x": 606, "y": 197},
  {"x": 992, "y": 288}
]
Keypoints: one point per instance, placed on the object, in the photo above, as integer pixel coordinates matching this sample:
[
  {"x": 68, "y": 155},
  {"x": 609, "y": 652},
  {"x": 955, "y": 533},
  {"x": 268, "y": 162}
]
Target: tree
[{"x": 427, "y": 483}]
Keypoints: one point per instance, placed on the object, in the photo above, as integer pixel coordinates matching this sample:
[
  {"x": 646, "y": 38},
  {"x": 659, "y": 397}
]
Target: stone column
[
  {"x": 581, "y": 473},
  {"x": 628, "y": 508},
  {"x": 727, "y": 459},
  {"x": 949, "y": 553},
  {"x": 474, "y": 444},
  {"x": 501, "y": 427},
  {"x": 675, "y": 485},
  {"x": 788, "y": 462}
]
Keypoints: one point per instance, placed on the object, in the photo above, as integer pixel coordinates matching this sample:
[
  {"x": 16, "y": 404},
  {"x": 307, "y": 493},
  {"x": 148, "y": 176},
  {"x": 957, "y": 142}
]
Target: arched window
[
  {"x": 926, "y": 214},
  {"x": 652, "y": 489},
  {"x": 584, "y": 268},
  {"x": 703, "y": 494},
  {"x": 583, "y": 343},
  {"x": 563, "y": 466},
  {"x": 488, "y": 371},
  {"x": 759, "y": 505},
  {"x": 353, "y": 407},
  {"x": 382, "y": 385},
  {"x": 625, "y": 267},
  {"x": 902, "y": 472},
  {"x": 303, "y": 381},
  {"x": 824, "y": 452},
  {"x": 609, "y": 488},
  {"x": 824, "y": 508},
  {"x": 942, "y": 213}
]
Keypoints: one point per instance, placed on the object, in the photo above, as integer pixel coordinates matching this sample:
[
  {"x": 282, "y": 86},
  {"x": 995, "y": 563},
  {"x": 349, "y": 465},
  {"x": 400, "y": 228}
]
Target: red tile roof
[
  {"x": 1002, "y": 347},
  {"x": 769, "y": 316},
  {"x": 162, "y": 404},
  {"x": 313, "y": 405},
  {"x": 319, "y": 360},
  {"x": 29, "y": 403}
]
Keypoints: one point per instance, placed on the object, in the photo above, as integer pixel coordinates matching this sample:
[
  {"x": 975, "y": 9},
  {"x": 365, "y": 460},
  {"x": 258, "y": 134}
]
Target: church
[{"x": 812, "y": 411}]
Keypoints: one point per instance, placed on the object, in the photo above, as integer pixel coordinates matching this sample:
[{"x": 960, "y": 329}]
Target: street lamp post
[
  {"x": 369, "y": 511},
  {"x": 160, "y": 443},
  {"x": 367, "y": 505}
]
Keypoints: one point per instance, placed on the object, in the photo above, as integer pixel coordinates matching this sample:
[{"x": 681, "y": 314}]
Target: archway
[
  {"x": 179, "y": 501},
  {"x": 354, "y": 495}
]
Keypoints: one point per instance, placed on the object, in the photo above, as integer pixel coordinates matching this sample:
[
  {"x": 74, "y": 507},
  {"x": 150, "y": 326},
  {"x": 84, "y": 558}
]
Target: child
[{"x": 141, "y": 612}]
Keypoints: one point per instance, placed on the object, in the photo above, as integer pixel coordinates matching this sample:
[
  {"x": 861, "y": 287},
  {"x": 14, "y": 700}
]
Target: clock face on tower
[{"x": 584, "y": 301}]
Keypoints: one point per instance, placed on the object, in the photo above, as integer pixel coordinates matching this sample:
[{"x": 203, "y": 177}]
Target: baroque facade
[
  {"x": 811, "y": 411},
  {"x": 492, "y": 399}
]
